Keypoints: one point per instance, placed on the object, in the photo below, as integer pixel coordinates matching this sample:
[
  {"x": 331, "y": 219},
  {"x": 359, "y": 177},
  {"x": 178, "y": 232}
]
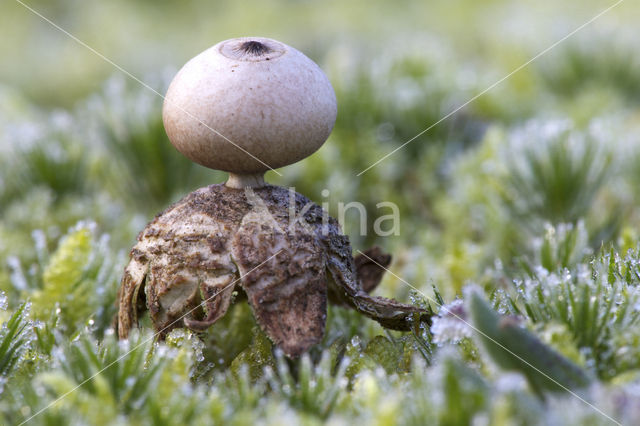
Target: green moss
[
  {"x": 256, "y": 357},
  {"x": 515, "y": 348},
  {"x": 531, "y": 191}
]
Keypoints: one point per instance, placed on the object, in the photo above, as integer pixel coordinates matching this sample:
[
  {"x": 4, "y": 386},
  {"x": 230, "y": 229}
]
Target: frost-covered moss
[{"x": 531, "y": 192}]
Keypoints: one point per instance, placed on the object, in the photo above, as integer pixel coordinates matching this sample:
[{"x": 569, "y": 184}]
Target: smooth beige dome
[{"x": 249, "y": 104}]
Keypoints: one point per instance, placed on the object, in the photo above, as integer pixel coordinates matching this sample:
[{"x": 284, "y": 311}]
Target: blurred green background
[
  {"x": 87, "y": 138},
  {"x": 530, "y": 182}
]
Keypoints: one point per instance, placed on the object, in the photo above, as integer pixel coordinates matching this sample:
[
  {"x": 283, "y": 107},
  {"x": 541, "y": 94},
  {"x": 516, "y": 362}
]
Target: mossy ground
[{"x": 520, "y": 214}]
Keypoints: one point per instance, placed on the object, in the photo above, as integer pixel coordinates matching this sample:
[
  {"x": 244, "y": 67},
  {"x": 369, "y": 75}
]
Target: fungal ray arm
[
  {"x": 345, "y": 288},
  {"x": 288, "y": 294}
]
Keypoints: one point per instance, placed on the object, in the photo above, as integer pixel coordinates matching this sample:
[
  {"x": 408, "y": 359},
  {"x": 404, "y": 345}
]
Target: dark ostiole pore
[{"x": 254, "y": 48}]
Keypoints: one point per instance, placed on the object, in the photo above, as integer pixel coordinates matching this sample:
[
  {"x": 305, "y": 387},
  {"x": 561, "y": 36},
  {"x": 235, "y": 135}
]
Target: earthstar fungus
[{"x": 246, "y": 106}]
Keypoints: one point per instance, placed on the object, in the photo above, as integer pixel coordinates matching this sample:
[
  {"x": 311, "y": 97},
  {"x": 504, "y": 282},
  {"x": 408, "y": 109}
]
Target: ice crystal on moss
[{"x": 450, "y": 326}]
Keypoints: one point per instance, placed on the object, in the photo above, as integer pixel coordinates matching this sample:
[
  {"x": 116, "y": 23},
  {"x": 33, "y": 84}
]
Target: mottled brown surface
[
  {"x": 283, "y": 274},
  {"x": 371, "y": 266},
  {"x": 344, "y": 286},
  {"x": 190, "y": 258}
]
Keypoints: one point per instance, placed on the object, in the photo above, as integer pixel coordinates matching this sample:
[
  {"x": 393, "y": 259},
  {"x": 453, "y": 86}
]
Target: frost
[
  {"x": 18, "y": 279},
  {"x": 450, "y": 325},
  {"x": 4, "y": 301},
  {"x": 552, "y": 230},
  {"x": 449, "y": 330},
  {"x": 40, "y": 241},
  {"x": 198, "y": 348},
  {"x": 356, "y": 341},
  {"x": 510, "y": 382},
  {"x": 181, "y": 337}
]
